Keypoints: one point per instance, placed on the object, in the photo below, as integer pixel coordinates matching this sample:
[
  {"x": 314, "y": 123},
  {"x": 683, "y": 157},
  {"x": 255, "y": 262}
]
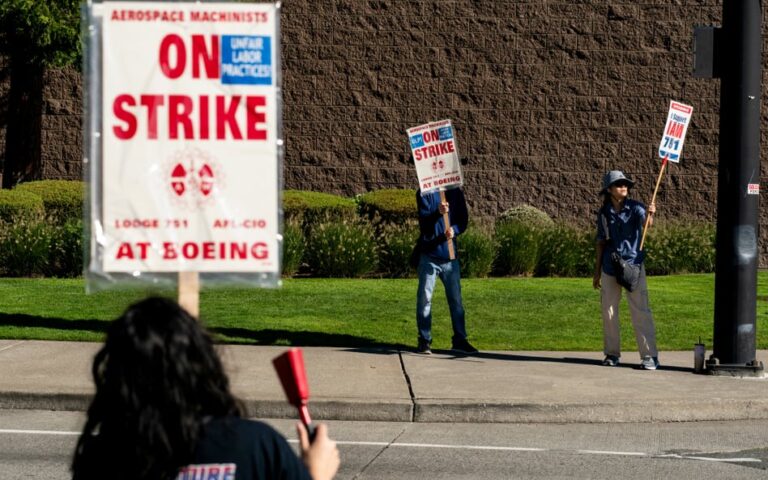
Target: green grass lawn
[{"x": 502, "y": 313}]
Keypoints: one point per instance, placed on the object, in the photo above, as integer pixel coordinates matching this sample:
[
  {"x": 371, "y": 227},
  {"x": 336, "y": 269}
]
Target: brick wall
[
  {"x": 61, "y": 150},
  {"x": 545, "y": 95}
]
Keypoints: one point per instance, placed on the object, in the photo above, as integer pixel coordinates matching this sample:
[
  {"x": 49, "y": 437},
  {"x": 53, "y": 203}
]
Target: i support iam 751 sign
[
  {"x": 678, "y": 119},
  {"x": 434, "y": 151},
  {"x": 190, "y": 137}
]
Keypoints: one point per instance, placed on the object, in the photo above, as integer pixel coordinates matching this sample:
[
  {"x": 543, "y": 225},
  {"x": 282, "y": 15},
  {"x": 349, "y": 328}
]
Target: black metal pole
[{"x": 737, "y": 199}]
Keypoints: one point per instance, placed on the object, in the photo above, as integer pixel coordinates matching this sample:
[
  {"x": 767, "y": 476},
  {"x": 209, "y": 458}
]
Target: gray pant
[{"x": 640, "y": 313}]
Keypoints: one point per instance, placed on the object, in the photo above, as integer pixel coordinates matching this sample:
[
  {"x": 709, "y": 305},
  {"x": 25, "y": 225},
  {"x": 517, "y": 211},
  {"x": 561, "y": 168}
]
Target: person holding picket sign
[
  {"x": 619, "y": 263},
  {"x": 436, "y": 260}
]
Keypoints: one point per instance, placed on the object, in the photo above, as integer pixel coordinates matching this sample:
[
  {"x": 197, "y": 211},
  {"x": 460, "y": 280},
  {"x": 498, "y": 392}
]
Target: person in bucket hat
[{"x": 620, "y": 223}]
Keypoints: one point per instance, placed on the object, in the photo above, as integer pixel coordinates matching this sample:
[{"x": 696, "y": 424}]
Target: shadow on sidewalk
[
  {"x": 303, "y": 338},
  {"x": 574, "y": 360},
  {"x": 511, "y": 357},
  {"x": 33, "y": 321}
]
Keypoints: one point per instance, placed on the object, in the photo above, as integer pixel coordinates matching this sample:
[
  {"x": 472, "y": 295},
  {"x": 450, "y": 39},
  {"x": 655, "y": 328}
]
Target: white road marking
[
  {"x": 39, "y": 432},
  {"x": 462, "y": 447}
]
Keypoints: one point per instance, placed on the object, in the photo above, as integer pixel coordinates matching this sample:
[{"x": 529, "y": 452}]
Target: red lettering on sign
[
  {"x": 173, "y": 41},
  {"x": 201, "y": 55},
  {"x": 179, "y": 108},
  {"x": 226, "y": 116},
  {"x": 118, "y": 108}
]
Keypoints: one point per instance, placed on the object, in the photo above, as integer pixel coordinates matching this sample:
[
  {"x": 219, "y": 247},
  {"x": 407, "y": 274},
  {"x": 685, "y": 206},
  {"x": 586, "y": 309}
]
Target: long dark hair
[{"x": 157, "y": 379}]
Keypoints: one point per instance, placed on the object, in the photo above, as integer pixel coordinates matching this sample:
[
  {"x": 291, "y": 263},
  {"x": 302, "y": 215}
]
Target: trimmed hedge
[
  {"x": 342, "y": 249},
  {"x": 518, "y": 248},
  {"x": 391, "y": 206},
  {"x": 17, "y": 205},
  {"x": 395, "y": 244},
  {"x": 294, "y": 246},
  {"x": 310, "y": 209},
  {"x": 680, "y": 248},
  {"x": 62, "y": 199},
  {"x": 477, "y": 252},
  {"x": 528, "y": 215},
  {"x": 566, "y": 251}
]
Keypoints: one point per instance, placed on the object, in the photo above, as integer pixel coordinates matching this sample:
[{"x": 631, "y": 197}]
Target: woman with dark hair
[
  {"x": 619, "y": 232},
  {"x": 163, "y": 410}
]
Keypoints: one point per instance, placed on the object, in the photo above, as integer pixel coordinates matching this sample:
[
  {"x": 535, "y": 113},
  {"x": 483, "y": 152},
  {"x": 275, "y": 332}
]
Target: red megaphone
[{"x": 290, "y": 370}]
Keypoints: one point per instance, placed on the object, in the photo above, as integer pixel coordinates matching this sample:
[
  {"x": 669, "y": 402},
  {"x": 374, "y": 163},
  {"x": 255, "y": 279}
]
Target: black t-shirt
[{"x": 237, "y": 449}]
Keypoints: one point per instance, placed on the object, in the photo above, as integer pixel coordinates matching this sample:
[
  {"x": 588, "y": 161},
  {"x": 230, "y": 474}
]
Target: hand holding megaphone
[{"x": 293, "y": 377}]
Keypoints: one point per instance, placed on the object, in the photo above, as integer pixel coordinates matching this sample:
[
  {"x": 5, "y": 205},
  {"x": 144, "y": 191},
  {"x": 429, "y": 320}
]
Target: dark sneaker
[
  {"x": 649, "y": 363},
  {"x": 461, "y": 345},
  {"x": 423, "y": 347},
  {"x": 611, "y": 361}
]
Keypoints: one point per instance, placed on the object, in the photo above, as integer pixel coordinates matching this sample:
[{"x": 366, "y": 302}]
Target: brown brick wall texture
[{"x": 545, "y": 96}]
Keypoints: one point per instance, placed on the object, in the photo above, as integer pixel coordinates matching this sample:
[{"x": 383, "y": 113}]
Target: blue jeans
[{"x": 450, "y": 275}]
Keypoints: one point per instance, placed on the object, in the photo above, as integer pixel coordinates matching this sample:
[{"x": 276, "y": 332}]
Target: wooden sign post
[
  {"x": 447, "y": 222},
  {"x": 189, "y": 292}
]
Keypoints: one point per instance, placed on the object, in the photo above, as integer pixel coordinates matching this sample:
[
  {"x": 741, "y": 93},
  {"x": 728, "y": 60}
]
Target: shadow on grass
[
  {"x": 33, "y": 321},
  {"x": 303, "y": 338}
]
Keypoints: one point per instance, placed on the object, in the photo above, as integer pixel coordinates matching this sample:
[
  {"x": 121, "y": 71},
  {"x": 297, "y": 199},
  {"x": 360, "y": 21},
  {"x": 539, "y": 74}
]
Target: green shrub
[
  {"x": 477, "y": 252},
  {"x": 62, "y": 199},
  {"x": 395, "y": 247},
  {"x": 24, "y": 247},
  {"x": 310, "y": 209},
  {"x": 294, "y": 246},
  {"x": 392, "y": 206},
  {"x": 566, "y": 251},
  {"x": 680, "y": 248},
  {"x": 518, "y": 248},
  {"x": 341, "y": 249},
  {"x": 527, "y": 215},
  {"x": 65, "y": 258},
  {"x": 17, "y": 205}
]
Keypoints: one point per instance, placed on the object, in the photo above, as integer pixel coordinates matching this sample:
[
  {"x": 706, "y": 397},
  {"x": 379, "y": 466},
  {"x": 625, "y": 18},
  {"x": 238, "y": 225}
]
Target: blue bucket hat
[{"x": 612, "y": 177}]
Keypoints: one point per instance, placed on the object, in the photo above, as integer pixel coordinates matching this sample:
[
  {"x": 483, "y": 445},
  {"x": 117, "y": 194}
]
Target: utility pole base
[{"x": 751, "y": 369}]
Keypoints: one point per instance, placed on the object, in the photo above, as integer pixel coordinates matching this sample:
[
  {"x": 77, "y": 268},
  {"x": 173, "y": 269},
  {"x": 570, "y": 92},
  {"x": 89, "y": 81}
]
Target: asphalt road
[{"x": 38, "y": 445}]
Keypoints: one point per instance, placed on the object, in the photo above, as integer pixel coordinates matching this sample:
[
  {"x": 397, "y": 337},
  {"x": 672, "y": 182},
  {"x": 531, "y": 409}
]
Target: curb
[{"x": 453, "y": 411}]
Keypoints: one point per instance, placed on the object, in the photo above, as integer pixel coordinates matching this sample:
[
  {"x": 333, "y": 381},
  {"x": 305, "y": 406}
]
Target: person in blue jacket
[{"x": 435, "y": 262}]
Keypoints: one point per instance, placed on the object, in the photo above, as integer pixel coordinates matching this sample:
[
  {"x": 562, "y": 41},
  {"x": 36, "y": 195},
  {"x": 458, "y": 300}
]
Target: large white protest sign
[
  {"x": 678, "y": 119},
  {"x": 434, "y": 151},
  {"x": 189, "y": 110}
]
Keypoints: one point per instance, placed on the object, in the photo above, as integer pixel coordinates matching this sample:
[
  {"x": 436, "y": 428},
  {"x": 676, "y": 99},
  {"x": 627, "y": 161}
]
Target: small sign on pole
[
  {"x": 671, "y": 146},
  {"x": 678, "y": 119},
  {"x": 434, "y": 151}
]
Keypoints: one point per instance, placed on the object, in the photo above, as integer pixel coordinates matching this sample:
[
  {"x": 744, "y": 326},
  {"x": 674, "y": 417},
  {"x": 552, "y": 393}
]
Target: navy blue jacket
[
  {"x": 621, "y": 232},
  {"x": 432, "y": 239}
]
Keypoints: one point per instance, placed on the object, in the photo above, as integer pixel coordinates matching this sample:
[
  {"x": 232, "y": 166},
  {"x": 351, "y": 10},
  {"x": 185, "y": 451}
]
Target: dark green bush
[
  {"x": 17, "y": 205},
  {"x": 395, "y": 246},
  {"x": 566, "y": 251},
  {"x": 528, "y": 215},
  {"x": 62, "y": 199},
  {"x": 392, "y": 206},
  {"x": 518, "y": 248},
  {"x": 680, "y": 248},
  {"x": 342, "y": 249},
  {"x": 65, "y": 257},
  {"x": 477, "y": 252},
  {"x": 310, "y": 209},
  {"x": 24, "y": 248},
  {"x": 294, "y": 246}
]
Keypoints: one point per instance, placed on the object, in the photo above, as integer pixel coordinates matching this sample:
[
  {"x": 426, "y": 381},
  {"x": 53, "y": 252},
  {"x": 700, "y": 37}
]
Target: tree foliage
[{"x": 42, "y": 32}]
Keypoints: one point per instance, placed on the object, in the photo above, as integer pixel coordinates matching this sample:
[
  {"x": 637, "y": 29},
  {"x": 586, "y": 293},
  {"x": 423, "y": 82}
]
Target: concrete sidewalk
[{"x": 387, "y": 385}]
